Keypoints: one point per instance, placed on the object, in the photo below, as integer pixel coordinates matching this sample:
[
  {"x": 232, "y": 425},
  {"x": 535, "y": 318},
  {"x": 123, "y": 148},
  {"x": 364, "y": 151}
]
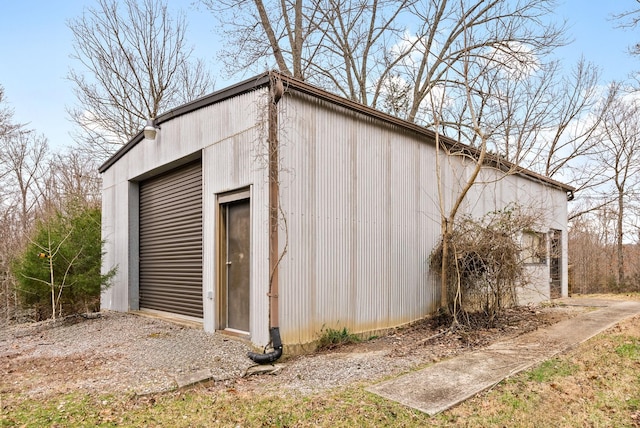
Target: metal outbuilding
[{"x": 274, "y": 203}]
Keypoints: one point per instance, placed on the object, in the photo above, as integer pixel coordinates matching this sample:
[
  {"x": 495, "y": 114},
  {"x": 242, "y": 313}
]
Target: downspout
[{"x": 276, "y": 90}]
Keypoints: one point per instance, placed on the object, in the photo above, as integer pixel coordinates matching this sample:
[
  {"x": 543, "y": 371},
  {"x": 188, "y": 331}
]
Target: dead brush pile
[{"x": 485, "y": 266}]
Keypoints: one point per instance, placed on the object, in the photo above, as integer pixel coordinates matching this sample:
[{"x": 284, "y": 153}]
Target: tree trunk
[
  {"x": 53, "y": 288},
  {"x": 296, "y": 47},
  {"x": 271, "y": 36},
  {"x": 446, "y": 237},
  {"x": 620, "y": 249}
]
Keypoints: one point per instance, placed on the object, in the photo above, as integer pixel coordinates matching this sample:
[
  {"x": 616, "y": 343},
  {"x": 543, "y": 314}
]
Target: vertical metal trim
[
  {"x": 226, "y": 265},
  {"x": 221, "y": 285},
  {"x": 134, "y": 246}
]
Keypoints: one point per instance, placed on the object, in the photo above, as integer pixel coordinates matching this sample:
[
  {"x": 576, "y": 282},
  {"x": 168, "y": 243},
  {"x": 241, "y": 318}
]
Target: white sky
[{"x": 36, "y": 44}]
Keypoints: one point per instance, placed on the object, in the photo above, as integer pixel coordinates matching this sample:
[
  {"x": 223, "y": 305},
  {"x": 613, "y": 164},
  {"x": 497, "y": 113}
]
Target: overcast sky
[{"x": 36, "y": 44}]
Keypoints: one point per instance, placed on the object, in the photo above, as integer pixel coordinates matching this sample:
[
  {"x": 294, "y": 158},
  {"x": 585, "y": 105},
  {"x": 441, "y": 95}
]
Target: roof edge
[
  {"x": 265, "y": 79},
  {"x": 215, "y": 97},
  {"x": 491, "y": 159}
]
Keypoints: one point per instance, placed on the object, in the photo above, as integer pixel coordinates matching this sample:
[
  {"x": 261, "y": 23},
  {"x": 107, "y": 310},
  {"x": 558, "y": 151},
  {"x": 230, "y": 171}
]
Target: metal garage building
[{"x": 275, "y": 203}]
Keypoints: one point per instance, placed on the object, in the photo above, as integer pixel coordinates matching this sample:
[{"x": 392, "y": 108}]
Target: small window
[{"x": 534, "y": 248}]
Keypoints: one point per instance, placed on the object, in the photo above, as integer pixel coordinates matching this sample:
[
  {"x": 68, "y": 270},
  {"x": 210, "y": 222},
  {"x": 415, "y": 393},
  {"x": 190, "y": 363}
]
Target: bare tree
[
  {"x": 544, "y": 120},
  {"x": 8, "y": 298},
  {"x": 73, "y": 178},
  {"x": 515, "y": 34},
  {"x": 630, "y": 19},
  {"x": 368, "y": 51},
  {"x": 620, "y": 157},
  {"x": 50, "y": 251},
  {"x": 343, "y": 46},
  {"x": 589, "y": 253},
  {"x": 8, "y": 238},
  {"x": 392, "y": 55},
  {"x": 23, "y": 158},
  {"x": 23, "y": 155},
  {"x": 448, "y": 214},
  {"x": 505, "y": 106},
  {"x": 359, "y": 47},
  {"x": 7, "y": 126},
  {"x": 267, "y": 34},
  {"x": 134, "y": 64},
  {"x": 577, "y": 111}
]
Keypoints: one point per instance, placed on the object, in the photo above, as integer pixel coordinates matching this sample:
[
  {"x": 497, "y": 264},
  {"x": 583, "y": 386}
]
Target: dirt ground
[{"x": 39, "y": 361}]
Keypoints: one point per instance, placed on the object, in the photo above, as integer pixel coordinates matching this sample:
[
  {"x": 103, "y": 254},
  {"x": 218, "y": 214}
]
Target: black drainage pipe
[{"x": 270, "y": 357}]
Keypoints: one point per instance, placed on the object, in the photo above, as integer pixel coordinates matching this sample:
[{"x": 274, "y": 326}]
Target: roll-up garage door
[{"x": 171, "y": 242}]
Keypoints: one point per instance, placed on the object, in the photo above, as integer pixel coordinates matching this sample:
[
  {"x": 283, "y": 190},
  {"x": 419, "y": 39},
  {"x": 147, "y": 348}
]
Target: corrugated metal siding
[
  {"x": 360, "y": 225},
  {"x": 231, "y": 164},
  {"x": 114, "y": 297},
  {"x": 171, "y": 242},
  {"x": 363, "y": 213}
]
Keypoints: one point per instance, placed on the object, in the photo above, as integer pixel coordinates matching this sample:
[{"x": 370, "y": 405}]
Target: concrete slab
[
  {"x": 198, "y": 376},
  {"x": 449, "y": 382},
  {"x": 191, "y": 378}
]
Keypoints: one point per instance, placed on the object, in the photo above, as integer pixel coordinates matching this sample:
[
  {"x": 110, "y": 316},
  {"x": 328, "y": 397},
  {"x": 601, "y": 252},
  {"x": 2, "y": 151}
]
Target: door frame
[
  {"x": 556, "y": 267},
  {"x": 221, "y": 286}
]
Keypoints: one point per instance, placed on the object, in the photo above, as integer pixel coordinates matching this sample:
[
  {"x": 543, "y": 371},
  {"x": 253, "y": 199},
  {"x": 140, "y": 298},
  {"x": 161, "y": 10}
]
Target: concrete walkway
[{"x": 449, "y": 382}]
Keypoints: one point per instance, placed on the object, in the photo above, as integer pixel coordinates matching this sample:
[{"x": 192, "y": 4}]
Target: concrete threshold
[{"x": 443, "y": 385}]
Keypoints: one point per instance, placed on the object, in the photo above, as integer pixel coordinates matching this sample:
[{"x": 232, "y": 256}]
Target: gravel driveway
[
  {"x": 116, "y": 352},
  {"x": 129, "y": 353}
]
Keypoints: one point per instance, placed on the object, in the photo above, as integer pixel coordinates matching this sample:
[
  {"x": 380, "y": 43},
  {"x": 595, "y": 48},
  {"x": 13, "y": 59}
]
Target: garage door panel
[
  {"x": 171, "y": 242},
  {"x": 183, "y": 240},
  {"x": 170, "y": 228}
]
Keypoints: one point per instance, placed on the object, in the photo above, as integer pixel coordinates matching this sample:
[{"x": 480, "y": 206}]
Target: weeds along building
[{"x": 275, "y": 204}]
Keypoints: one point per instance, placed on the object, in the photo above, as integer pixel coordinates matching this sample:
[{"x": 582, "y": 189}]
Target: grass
[
  {"x": 630, "y": 349},
  {"x": 551, "y": 369},
  {"x": 597, "y": 384},
  {"x": 205, "y": 408},
  {"x": 331, "y": 338}
]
